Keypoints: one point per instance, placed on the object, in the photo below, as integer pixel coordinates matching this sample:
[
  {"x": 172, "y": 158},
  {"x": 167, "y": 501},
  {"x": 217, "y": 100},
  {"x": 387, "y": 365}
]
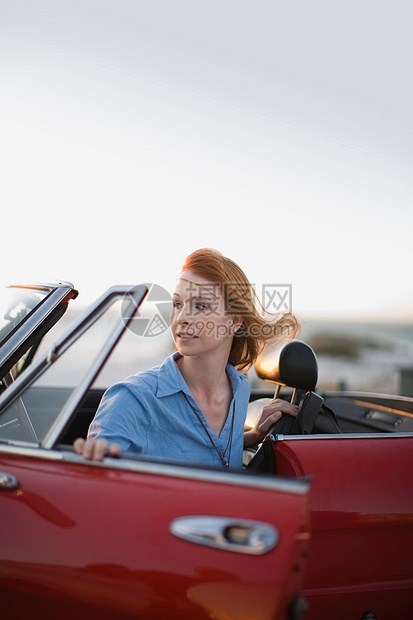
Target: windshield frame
[{"x": 29, "y": 331}]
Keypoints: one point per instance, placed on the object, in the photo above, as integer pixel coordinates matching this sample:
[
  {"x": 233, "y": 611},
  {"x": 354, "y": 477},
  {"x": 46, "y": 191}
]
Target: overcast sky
[{"x": 280, "y": 133}]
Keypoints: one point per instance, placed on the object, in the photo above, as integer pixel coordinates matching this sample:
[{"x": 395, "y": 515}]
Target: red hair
[{"x": 259, "y": 327}]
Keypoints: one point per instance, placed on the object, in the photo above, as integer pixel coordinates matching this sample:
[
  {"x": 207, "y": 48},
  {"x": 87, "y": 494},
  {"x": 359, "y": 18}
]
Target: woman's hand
[
  {"x": 269, "y": 415},
  {"x": 95, "y": 449}
]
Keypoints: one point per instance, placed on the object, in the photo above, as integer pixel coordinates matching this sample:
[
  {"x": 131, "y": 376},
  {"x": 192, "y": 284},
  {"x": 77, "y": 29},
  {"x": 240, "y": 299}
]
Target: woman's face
[{"x": 199, "y": 322}]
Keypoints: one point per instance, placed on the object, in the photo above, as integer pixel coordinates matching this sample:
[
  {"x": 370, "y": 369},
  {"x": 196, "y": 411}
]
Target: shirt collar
[{"x": 170, "y": 379}]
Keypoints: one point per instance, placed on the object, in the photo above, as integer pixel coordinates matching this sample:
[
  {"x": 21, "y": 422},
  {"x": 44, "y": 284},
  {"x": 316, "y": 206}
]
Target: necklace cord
[{"x": 225, "y": 463}]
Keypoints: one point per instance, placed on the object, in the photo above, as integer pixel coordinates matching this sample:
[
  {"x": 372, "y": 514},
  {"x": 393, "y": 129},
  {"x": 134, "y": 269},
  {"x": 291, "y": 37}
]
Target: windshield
[
  {"x": 27, "y": 313},
  {"x": 15, "y": 305}
]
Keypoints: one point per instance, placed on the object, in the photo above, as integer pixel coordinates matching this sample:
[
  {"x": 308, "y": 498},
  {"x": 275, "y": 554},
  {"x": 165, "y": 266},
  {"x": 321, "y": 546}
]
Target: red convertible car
[{"x": 322, "y": 527}]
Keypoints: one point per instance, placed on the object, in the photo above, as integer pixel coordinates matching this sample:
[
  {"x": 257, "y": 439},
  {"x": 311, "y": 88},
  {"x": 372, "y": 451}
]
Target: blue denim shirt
[{"x": 149, "y": 414}]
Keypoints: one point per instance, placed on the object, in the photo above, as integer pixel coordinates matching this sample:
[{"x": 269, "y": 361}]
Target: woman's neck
[{"x": 206, "y": 379}]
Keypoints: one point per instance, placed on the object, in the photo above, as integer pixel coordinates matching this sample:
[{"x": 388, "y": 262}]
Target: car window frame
[{"x": 131, "y": 298}]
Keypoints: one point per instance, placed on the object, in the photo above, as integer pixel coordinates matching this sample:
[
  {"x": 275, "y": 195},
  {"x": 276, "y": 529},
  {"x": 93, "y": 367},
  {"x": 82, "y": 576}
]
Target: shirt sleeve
[{"x": 121, "y": 418}]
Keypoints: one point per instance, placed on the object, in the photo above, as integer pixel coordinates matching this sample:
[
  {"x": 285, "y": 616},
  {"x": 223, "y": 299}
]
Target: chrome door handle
[
  {"x": 8, "y": 482},
  {"x": 231, "y": 534}
]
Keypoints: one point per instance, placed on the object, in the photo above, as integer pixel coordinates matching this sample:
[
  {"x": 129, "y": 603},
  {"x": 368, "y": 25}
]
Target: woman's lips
[{"x": 186, "y": 336}]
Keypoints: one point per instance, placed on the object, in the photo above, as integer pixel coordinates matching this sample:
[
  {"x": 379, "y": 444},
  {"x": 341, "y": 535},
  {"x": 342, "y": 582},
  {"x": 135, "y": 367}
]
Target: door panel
[
  {"x": 361, "y": 503},
  {"x": 87, "y": 537}
]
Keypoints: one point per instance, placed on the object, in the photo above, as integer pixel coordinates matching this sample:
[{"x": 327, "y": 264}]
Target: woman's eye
[
  {"x": 200, "y": 307},
  {"x": 176, "y": 304}
]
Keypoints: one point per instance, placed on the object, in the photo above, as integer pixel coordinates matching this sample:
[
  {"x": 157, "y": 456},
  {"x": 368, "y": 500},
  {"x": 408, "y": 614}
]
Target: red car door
[
  {"x": 361, "y": 503},
  {"x": 135, "y": 539}
]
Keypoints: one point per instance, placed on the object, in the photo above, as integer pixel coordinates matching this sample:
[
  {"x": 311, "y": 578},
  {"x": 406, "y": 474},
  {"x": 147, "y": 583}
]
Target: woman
[{"x": 192, "y": 408}]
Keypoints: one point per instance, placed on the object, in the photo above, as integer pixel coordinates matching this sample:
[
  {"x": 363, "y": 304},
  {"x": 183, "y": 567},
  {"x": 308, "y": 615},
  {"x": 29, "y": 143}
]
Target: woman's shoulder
[
  {"x": 149, "y": 378},
  {"x": 143, "y": 379}
]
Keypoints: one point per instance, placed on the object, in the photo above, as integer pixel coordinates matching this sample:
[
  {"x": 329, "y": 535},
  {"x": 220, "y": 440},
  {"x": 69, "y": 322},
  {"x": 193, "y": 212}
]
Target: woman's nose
[{"x": 184, "y": 314}]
